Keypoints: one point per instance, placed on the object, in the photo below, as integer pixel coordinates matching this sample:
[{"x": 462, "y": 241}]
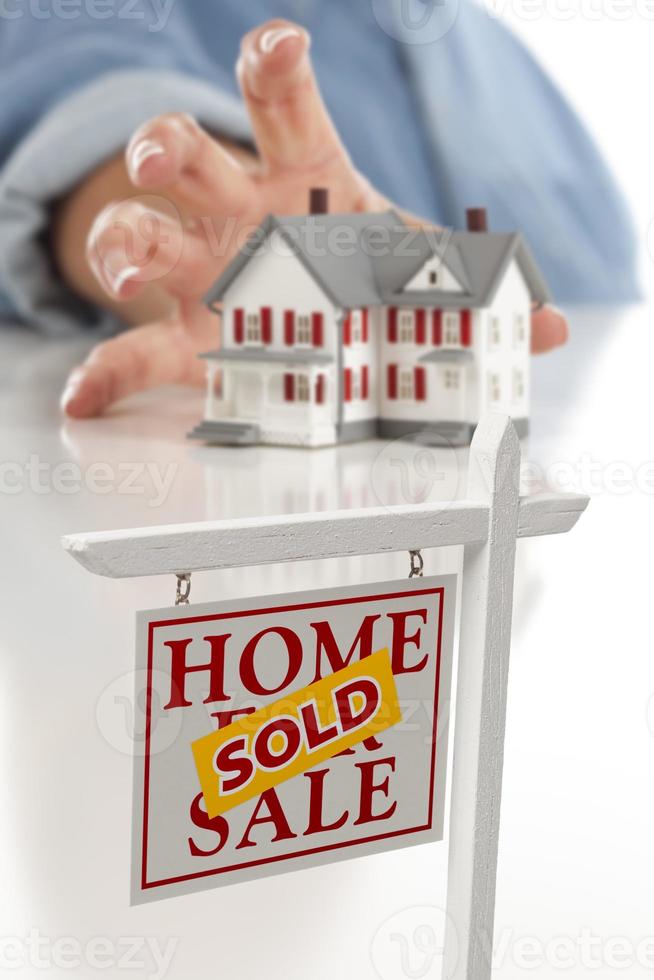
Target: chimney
[
  {"x": 476, "y": 219},
  {"x": 318, "y": 200}
]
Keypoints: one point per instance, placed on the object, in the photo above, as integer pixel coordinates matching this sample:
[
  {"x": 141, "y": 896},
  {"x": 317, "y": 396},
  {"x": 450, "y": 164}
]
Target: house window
[
  {"x": 303, "y": 392},
  {"x": 494, "y": 390},
  {"x": 433, "y": 277},
  {"x": 451, "y": 329},
  {"x": 355, "y": 383},
  {"x": 519, "y": 330},
  {"x": 217, "y": 386},
  {"x": 452, "y": 379},
  {"x": 253, "y": 328},
  {"x": 495, "y": 335},
  {"x": 406, "y": 327},
  {"x": 355, "y": 326},
  {"x": 303, "y": 329},
  {"x": 518, "y": 385},
  {"x": 406, "y": 383}
]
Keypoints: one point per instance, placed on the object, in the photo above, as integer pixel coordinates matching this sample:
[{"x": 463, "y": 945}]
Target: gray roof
[
  {"x": 448, "y": 355},
  {"x": 296, "y": 355},
  {"x": 366, "y": 259}
]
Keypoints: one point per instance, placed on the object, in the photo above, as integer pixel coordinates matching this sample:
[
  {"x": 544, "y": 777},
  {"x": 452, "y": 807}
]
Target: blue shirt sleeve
[{"x": 450, "y": 111}]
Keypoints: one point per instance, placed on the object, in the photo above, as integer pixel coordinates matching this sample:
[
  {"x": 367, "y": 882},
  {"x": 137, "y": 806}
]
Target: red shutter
[
  {"x": 421, "y": 331},
  {"x": 364, "y": 325},
  {"x": 466, "y": 328},
  {"x": 289, "y": 328},
  {"x": 316, "y": 329},
  {"x": 420, "y": 384},
  {"x": 347, "y": 384},
  {"x": 392, "y": 324},
  {"x": 347, "y": 329},
  {"x": 266, "y": 324},
  {"x": 320, "y": 389},
  {"x": 289, "y": 388},
  {"x": 239, "y": 322},
  {"x": 437, "y": 327},
  {"x": 364, "y": 381},
  {"x": 392, "y": 380}
]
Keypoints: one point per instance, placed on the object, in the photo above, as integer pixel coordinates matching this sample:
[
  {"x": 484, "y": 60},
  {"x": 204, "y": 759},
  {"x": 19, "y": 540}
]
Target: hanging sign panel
[{"x": 288, "y": 731}]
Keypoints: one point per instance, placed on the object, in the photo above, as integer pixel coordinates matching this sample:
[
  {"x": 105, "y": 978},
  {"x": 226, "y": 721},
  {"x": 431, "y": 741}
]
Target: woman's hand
[{"x": 187, "y": 202}]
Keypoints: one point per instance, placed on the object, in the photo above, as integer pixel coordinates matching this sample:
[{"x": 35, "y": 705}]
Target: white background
[
  {"x": 604, "y": 65},
  {"x": 576, "y": 863}
]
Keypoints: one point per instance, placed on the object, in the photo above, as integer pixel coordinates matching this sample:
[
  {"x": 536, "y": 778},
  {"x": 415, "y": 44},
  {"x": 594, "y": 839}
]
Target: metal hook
[
  {"x": 417, "y": 564},
  {"x": 182, "y": 594}
]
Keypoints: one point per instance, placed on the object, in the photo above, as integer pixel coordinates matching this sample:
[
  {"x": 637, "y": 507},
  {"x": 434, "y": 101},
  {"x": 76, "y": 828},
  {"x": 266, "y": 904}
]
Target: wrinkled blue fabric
[{"x": 437, "y": 102}]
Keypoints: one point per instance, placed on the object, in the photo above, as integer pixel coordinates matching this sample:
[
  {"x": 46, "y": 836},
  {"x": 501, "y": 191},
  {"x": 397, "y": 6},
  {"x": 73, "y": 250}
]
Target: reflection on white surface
[{"x": 576, "y": 848}]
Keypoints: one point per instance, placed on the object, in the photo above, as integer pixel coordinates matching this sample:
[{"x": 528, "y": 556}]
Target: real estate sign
[{"x": 288, "y": 731}]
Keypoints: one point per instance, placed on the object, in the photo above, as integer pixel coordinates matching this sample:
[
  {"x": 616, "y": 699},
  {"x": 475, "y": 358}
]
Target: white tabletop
[{"x": 577, "y": 846}]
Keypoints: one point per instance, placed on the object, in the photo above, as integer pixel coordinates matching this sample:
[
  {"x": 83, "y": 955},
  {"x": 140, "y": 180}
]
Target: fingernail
[
  {"x": 118, "y": 279},
  {"x": 68, "y": 395},
  {"x": 143, "y": 151},
  {"x": 270, "y": 39}
]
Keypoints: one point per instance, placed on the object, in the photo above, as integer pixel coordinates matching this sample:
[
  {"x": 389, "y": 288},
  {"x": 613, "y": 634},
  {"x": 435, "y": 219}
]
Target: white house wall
[
  {"x": 275, "y": 277},
  {"x": 357, "y": 355},
  {"x": 510, "y": 356}
]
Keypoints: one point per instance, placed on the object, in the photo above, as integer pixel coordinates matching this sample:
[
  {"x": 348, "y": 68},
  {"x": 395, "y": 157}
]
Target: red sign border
[{"x": 145, "y": 884}]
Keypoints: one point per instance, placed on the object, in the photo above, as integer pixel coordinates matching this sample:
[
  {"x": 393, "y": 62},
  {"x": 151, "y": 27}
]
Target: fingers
[
  {"x": 155, "y": 354},
  {"x": 174, "y": 153},
  {"x": 138, "y": 242},
  {"x": 549, "y": 329},
  {"x": 292, "y": 127}
]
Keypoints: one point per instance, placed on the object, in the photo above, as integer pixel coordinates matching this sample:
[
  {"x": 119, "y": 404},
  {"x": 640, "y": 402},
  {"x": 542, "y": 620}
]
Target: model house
[{"x": 338, "y": 327}]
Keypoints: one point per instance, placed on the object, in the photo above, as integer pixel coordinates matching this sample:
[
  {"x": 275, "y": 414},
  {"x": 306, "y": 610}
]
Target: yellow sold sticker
[{"x": 290, "y": 736}]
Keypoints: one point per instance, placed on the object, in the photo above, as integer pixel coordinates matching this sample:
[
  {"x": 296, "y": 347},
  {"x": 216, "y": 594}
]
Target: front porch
[{"x": 279, "y": 397}]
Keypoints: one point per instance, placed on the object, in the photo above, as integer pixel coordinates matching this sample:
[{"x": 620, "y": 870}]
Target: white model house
[{"x": 338, "y": 327}]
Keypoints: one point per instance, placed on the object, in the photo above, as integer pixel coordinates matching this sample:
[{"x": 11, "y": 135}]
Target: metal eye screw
[
  {"x": 417, "y": 564},
  {"x": 183, "y": 590}
]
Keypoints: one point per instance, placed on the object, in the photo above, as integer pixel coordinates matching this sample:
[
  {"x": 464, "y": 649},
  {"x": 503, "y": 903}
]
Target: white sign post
[{"x": 487, "y": 524}]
